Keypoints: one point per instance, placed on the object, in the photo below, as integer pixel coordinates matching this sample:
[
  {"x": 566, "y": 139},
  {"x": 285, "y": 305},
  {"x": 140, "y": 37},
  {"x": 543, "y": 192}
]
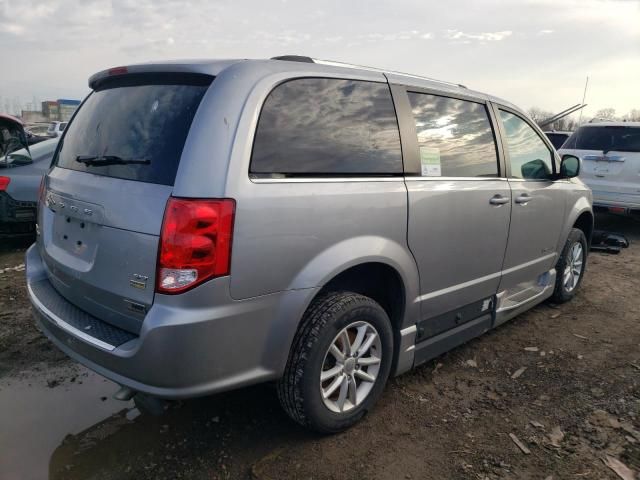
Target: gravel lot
[{"x": 574, "y": 407}]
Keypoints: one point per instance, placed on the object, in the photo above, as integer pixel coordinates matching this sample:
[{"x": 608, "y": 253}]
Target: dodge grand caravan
[{"x": 206, "y": 226}]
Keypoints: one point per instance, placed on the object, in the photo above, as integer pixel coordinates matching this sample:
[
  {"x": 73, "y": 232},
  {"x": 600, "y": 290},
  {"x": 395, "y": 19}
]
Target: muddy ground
[{"x": 575, "y": 405}]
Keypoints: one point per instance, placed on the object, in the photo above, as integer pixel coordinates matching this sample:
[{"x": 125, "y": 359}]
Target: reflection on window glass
[
  {"x": 529, "y": 156},
  {"x": 327, "y": 126},
  {"x": 141, "y": 122},
  {"x": 454, "y": 136}
]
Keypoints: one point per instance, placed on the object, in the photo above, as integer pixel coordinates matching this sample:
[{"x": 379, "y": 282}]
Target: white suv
[
  {"x": 610, "y": 155},
  {"x": 56, "y": 128}
]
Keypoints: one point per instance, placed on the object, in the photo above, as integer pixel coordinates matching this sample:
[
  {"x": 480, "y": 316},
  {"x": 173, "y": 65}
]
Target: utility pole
[{"x": 584, "y": 96}]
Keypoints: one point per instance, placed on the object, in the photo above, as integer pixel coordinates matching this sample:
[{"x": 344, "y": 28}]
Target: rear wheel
[
  {"x": 571, "y": 266},
  {"x": 339, "y": 362}
]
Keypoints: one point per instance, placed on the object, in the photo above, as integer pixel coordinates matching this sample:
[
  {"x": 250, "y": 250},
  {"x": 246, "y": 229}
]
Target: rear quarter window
[
  {"x": 134, "y": 128},
  {"x": 323, "y": 126}
]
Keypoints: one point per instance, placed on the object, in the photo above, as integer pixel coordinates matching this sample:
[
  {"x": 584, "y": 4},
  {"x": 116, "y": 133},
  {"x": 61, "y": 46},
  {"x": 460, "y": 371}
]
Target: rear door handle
[
  {"x": 523, "y": 199},
  {"x": 498, "y": 200}
]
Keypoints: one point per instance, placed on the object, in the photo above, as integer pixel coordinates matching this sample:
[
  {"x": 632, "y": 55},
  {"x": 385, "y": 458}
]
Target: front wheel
[
  {"x": 571, "y": 266},
  {"x": 339, "y": 362}
]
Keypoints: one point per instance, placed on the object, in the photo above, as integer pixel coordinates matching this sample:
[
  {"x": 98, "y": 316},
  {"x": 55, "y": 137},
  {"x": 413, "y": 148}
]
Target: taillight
[
  {"x": 41, "y": 189},
  {"x": 117, "y": 71},
  {"x": 4, "y": 183},
  {"x": 195, "y": 243}
]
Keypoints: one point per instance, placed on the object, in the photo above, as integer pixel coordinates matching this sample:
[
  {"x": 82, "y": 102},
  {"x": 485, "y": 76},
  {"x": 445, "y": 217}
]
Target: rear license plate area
[{"x": 74, "y": 235}]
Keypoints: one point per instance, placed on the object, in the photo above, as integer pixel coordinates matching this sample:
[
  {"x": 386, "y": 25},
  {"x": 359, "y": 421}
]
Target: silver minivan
[{"x": 210, "y": 225}]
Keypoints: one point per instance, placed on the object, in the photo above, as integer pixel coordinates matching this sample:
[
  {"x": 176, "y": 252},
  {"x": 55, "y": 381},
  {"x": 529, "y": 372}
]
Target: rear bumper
[
  {"x": 16, "y": 217},
  {"x": 194, "y": 344},
  {"x": 624, "y": 202}
]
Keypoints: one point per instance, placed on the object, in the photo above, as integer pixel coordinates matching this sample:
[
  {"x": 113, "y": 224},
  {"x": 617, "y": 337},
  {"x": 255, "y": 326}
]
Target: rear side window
[
  {"x": 455, "y": 137},
  {"x": 323, "y": 126},
  {"x": 529, "y": 156},
  {"x": 605, "y": 138},
  {"x": 134, "y": 127}
]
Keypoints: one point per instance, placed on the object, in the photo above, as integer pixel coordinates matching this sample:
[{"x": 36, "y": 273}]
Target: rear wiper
[{"x": 100, "y": 160}]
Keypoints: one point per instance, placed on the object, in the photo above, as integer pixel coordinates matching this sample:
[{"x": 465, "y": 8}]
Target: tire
[
  {"x": 301, "y": 389},
  {"x": 565, "y": 290}
]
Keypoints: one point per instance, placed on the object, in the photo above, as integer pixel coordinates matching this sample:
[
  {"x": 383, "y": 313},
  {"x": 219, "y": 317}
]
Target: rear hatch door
[
  {"x": 610, "y": 158},
  {"x": 105, "y": 198}
]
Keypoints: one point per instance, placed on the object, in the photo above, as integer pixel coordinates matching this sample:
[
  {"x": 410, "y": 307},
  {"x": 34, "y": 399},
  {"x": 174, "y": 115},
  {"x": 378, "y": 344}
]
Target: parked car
[
  {"x": 610, "y": 155},
  {"x": 56, "y": 128},
  {"x": 37, "y": 132},
  {"x": 557, "y": 138},
  {"x": 289, "y": 220},
  {"x": 20, "y": 176},
  {"x": 12, "y": 135},
  {"x": 40, "y": 129}
]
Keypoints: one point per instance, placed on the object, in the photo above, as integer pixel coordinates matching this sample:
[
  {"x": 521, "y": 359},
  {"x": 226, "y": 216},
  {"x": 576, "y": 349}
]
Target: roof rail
[
  {"x": 351, "y": 65},
  {"x": 302, "y": 58},
  {"x": 294, "y": 58}
]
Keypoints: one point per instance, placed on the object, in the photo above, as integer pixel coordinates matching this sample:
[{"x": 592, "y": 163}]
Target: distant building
[
  {"x": 32, "y": 116},
  {"x": 50, "y": 110},
  {"x": 59, "y": 110},
  {"x": 66, "y": 108}
]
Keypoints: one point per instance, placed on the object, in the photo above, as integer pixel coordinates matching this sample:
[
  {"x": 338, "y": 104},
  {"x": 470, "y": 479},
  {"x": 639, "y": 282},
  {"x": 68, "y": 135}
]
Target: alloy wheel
[
  {"x": 350, "y": 367},
  {"x": 573, "y": 270}
]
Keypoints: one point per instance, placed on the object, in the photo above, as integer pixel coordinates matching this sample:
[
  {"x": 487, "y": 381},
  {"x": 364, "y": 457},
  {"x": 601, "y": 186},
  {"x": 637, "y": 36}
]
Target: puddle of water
[
  {"x": 35, "y": 419},
  {"x": 69, "y": 433}
]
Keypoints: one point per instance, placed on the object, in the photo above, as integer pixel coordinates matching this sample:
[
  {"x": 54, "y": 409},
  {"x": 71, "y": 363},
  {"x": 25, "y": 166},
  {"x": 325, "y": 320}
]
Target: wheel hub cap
[{"x": 350, "y": 367}]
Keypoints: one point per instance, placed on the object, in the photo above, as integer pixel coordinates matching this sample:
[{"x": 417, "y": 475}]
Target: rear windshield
[
  {"x": 605, "y": 138},
  {"x": 134, "y": 127}
]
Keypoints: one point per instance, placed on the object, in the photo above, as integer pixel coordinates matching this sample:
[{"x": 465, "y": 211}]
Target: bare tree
[
  {"x": 538, "y": 114},
  {"x": 633, "y": 115},
  {"x": 606, "y": 114}
]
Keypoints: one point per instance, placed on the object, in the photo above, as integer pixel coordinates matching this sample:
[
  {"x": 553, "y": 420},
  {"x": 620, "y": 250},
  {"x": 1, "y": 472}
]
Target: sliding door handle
[
  {"x": 524, "y": 199},
  {"x": 498, "y": 200}
]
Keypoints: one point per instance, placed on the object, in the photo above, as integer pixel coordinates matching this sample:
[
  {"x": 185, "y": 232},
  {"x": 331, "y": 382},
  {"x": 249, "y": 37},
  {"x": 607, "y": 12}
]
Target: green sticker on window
[{"x": 430, "y": 162}]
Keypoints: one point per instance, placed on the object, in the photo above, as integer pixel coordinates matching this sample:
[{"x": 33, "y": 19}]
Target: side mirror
[{"x": 570, "y": 166}]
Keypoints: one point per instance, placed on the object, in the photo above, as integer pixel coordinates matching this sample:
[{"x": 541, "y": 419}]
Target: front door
[{"x": 538, "y": 208}]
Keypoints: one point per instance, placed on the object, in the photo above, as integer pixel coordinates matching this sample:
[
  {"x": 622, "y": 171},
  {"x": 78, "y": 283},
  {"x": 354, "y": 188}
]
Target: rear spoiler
[{"x": 98, "y": 80}]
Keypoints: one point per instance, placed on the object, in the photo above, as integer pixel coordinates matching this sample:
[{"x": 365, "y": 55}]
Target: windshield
[
  {"x": 135, "y": 128},
  {"x": 605, "y": 138}
]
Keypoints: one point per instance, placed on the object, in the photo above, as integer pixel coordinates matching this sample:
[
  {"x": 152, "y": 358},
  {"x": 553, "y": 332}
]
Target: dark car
[
  {"x": 557, "y": 138},
  {"x": 20, "y": 175},
  {"x": 12, "y": 135}
]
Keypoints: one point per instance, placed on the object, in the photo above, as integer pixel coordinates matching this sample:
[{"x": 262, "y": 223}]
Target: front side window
[
  {"x": 324, "y": 126},
  {"x": 529, "y": 156},
  {"x": 455, "y": 137}
]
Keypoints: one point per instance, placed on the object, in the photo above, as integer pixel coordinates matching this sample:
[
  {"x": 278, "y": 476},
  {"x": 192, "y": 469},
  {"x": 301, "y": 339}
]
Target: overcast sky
[{"x": 531, "y": 52}]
